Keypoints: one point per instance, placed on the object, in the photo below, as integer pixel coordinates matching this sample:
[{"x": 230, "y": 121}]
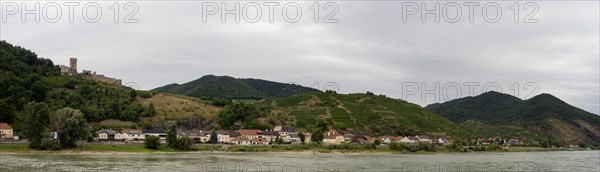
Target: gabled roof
[
  {"x": 222, "y": 132},
  {"x": 132, "y": 131},
  {"x": 249, "y": 132},
  {"x": 154, "y": 131},
  {"x": 331, "y": 134},
  {"x": 269, "y": 133},
  {"x": 5, "y": 126},
  {"x": 233, "y": 133},
  {"x": 107, "y": 131},
  {"x": 288, "y": 129}
]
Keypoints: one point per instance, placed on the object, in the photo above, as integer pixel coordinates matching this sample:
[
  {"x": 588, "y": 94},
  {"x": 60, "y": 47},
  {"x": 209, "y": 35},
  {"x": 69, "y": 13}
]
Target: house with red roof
[{"x": 6, "y": 131}]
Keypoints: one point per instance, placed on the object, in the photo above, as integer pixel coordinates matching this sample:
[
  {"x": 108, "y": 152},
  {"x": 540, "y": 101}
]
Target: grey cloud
[{"x": 370, "y": 49}]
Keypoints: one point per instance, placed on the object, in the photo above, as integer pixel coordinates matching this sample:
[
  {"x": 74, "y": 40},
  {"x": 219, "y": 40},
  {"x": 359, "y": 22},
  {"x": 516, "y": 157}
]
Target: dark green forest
[{"x": 211, "y": 86}]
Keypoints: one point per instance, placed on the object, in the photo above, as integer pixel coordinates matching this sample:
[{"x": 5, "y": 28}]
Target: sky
[{"x": 355, "y": 46}]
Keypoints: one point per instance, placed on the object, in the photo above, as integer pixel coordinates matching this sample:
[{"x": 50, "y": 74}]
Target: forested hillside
[
  {"x": 211, "y": 86},
  {"x": 25, "y": 77},
  {"x": 498, "y": 114}
]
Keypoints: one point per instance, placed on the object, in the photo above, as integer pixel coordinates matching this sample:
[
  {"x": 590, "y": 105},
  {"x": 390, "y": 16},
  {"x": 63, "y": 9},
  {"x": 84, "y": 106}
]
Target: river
[{"x": 176, "y": 162}]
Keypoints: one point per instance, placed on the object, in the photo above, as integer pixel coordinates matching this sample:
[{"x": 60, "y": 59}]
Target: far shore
[{"x": 137, "y": 149}]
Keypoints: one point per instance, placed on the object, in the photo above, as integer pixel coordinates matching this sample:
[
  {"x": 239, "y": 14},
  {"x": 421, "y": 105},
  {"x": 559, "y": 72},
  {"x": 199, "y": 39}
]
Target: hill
[
  {"x": 24, "y": 78},
  {"x": 541, "y": 116},
  {"x": 227, "y": 87},
  {"x": 360, "y": 113},
  {"x": 190, "y": 112}
]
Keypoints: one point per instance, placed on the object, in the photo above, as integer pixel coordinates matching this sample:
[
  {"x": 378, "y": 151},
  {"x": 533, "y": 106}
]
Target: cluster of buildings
[
  {"x": 504, "y": 141},
  {"x": 442, "y": 140},
  {"x": 287, "y": 135},
  {"x": 282, "y": 134}
]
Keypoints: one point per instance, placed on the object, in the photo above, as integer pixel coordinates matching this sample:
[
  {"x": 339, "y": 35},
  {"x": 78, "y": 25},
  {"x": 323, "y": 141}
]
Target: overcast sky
[{"x": 369, "y": 49}]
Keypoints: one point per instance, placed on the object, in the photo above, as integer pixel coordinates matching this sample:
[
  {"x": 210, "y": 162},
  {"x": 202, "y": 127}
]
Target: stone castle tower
[{"x": 73, "y": 65}]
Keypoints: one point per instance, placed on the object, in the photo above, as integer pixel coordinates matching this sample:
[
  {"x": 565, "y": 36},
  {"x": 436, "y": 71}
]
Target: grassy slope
[
  {"x": 488, "y": 131},
  {"x": 373, "y": 114},
  {"x": 169, "y": 106}
]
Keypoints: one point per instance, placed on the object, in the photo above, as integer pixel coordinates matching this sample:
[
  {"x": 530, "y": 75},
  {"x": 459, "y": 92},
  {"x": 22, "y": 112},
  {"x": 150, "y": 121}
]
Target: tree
[
  {"x": 377, "y": 142},
  {"x": 171, "y": 133},
  {"x": 322, "y": 125},
  {"x": 151, "y": 110},
  {"x": 70, "y": 125},
  {"x": 36, "y": 123},
  {"x": 316, "y": 136},
  {"x": 6, "y": 112},
  {"x": 39, "y": 90},
  {"x": 278, "y": 140},
  {"x": 184, "y": 143},
  {"x": 132, "y": 94},
  {"x": 213, "y": 137},
  {"x": 152, "y": 142},
  {"x": 302, "y": 137},
  {"x": 545, "y": 143}
]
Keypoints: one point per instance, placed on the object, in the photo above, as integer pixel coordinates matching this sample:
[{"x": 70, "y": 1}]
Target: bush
[
  {"x": 413, "y": 147},
  {"x": 50, "y": 145},
  {"x": 183, "y": 143},
  {"x": 395, "y": 146},
  {"x": 152, "y": 142}
]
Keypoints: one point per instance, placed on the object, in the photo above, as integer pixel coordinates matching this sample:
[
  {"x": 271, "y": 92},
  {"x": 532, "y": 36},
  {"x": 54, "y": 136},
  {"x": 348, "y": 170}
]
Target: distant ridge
[
  {"x": 211, "y": 86},
  {"x": 543, "y": 115}
]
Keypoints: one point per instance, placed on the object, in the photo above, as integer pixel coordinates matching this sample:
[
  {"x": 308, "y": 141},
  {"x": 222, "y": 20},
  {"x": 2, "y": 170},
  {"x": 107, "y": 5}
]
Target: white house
[
  {"x": 106, "y": 134},
  {"x": 241, "y": 141},
  {"x": 223, "y": 137},
  {"x": 424, "y": 139},
  {"x": 160, "y": 133},
  {"x": 132, "y": 134},
  {"x": 121, "y": 136},
  {"x": 333, "y": 137}
]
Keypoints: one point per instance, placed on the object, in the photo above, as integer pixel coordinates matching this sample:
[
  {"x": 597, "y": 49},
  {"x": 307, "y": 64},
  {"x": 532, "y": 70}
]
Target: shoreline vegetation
[{"x": 20, "y": 148}]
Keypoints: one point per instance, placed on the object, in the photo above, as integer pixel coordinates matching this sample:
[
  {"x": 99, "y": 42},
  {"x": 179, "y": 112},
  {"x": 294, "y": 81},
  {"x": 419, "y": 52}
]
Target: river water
[{"x": 175, "y": 162}]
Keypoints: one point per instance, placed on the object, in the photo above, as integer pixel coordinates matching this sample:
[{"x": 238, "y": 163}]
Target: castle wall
[{"x": 72, "y": 70}]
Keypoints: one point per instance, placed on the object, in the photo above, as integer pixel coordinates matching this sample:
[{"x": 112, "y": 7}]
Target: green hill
[
  {"x": 369, "y": 114},
  {"x": 541, "y": 116},
  {"x": 24, "y": 77},
  {"x": 211, "y": 86}
]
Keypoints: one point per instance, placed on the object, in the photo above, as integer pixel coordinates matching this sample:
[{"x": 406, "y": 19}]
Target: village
[{"x": 278, "y": 135}]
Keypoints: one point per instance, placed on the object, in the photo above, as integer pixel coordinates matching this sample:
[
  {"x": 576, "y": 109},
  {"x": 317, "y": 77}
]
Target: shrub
[
  {"x": 152, "y": 142},
  {"x": 183, "y": 143},
  {"x": 50, "y": 145}
]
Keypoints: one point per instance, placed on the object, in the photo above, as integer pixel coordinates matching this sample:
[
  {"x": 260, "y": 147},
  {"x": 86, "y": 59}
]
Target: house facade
[
  {"x": 106, "y": 134},
  {"x": 333, "y": 137},
  {"x": 250, "y": 134},
  {"x": 159, "y": 133},
  {"x": 6, "y": 131}
]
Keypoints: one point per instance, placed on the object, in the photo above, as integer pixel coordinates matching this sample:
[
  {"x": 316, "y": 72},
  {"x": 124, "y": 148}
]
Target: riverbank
[{"x": 137, "y": 149}]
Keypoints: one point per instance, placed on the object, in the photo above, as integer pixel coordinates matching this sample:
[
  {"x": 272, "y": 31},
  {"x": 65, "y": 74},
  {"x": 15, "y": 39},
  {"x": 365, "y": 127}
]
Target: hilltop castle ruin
[{"x": 88, "y": 74}]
